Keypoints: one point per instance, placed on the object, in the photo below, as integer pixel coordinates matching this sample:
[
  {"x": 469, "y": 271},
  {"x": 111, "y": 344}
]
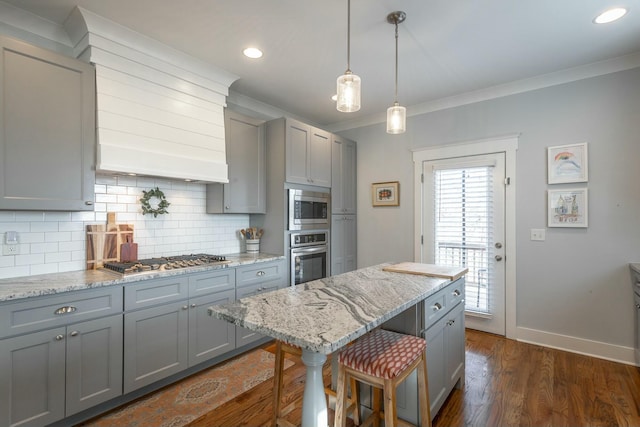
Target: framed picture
[
  {"x": 568, "y": 208},
  {"x": 567, "y": 163},
  {"x": 386, "y": 193}
]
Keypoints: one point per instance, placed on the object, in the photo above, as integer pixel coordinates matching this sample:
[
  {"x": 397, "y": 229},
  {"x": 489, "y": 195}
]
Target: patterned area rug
[{"x": 180, "y": 403}]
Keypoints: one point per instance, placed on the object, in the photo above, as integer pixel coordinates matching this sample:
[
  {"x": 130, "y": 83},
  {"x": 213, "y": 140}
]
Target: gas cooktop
[{"x": 167, "y": 263}]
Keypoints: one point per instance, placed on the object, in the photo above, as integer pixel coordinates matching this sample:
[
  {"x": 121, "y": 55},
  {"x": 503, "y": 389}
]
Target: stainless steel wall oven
[{"x": 309, "y": 256}]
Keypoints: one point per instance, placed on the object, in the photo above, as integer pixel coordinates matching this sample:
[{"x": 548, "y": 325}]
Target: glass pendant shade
[
  {"x": 348, "y": 86},
  {"x": 396, "y": 119}
]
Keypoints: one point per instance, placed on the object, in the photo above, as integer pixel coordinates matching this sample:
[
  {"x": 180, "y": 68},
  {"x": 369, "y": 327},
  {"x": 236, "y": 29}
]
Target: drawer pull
[
  {"x": 74, "y": 333},
  {"x": 193, "y": 306},
  {"x": 638, "y": 306},
  {"x": 260, "y": 273},
  {"x": 451, "y": 322},
  {"x": 65, "y": 310},
  {"x": 456, "y": 293},
  {"x": 437, "y": 307},
  {"x": 184, "y": 307},
  {"x": 59, "y": 337}
]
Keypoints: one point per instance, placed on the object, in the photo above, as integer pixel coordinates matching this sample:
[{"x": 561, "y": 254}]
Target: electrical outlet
[
  {"x": 10, "y": 249},
  {"x": 537, "y": 234}
]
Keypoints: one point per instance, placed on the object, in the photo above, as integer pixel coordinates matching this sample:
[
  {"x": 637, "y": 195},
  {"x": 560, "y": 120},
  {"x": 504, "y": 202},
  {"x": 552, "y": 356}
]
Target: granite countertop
[
  {"x": 47, "y": 284},
  {"x": 324, "y": 315}
]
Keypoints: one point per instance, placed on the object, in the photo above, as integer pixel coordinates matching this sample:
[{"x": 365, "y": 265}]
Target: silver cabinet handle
[
  {"x": 456, "y": 293},
  {"x": 65, "y": 310},
  {"x": 88, "y": 203},
  {"x": 193, "y": 306},
  {"x": 226, "y": 207},
  {"x": 59, "y": 337},
  {"x": 451, "y": 322},
  {"x": 260, "y": 273},
  {"x": 437, "y": 307},
  {"x": 74, "y": 333},
  {"x": 638, "y": 306},
  {"x": 498, "y": 258},
  {"x": 184, "y": 307}
]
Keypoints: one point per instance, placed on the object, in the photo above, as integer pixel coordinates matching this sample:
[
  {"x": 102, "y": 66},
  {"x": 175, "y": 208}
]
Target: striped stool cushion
[{"x": 382, "y": 354}]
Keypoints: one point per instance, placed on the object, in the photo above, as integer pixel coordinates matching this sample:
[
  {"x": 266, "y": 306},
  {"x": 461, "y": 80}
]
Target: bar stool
[
  {"x": 383, "y": 359},
  {"x": 278, "y": 412}
]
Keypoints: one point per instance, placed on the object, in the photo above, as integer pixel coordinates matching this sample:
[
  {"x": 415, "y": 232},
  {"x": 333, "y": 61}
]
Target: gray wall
[{"x": 577, "y": 282}]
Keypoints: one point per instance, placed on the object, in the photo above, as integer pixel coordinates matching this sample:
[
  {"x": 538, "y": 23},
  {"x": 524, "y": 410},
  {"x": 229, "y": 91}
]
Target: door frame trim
[{"x": 507, "y": 144}]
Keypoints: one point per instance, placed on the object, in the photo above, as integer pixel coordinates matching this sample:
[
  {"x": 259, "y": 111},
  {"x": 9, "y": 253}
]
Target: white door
[{"x": 463, "y": 224}]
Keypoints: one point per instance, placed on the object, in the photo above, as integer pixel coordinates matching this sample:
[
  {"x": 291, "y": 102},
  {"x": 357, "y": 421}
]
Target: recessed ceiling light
[
  {"x": 610, "y": 15},
  {"x": 252, "y": 52}
]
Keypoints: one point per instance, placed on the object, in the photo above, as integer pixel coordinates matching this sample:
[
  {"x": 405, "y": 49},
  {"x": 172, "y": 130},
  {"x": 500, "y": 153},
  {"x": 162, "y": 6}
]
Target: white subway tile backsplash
[{"x": 56, "y": 241}]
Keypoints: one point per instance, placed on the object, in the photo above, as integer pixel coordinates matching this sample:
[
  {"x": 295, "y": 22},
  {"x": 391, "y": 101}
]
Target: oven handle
[{"x": 309, "y": 250}]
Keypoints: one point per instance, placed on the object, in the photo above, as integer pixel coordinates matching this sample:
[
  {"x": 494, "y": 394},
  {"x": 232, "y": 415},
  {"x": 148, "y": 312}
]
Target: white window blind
[{"x": 463, "y": 228}]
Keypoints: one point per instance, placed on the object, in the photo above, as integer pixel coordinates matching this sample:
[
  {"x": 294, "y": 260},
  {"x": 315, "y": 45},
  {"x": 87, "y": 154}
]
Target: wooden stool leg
[
  {"x": 390, "y": 416},
  {"x": 277, "y": 383},
  {"x": 423, "y": 392},
  {"x": 377, "y": 397},
  {"x": 341, "y": 399},
  {"x": 355, "y": 402}
]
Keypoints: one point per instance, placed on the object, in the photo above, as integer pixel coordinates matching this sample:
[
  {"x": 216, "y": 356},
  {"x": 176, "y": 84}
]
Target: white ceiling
[{"x": 446, "y": 47}]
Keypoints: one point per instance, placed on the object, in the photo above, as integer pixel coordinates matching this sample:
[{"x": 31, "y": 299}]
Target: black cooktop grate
[{"x": 165, "y": 263}]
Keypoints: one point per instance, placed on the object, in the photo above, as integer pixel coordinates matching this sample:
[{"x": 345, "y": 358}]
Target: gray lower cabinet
[
  {"x": 47, "y": 129},
  {"x": 440, "y": 320},
  {"x": 343, "y": 243},
  {"x": 174, "y": 331},
  {"x": 256, "y": 279},
  {"x": 246, "y": 190},
  {"x": 48, "y": 374}
]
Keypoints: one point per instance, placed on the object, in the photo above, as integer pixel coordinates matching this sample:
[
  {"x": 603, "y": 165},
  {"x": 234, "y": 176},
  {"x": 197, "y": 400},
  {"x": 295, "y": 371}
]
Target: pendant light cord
[
  {"x": 349, "y": 36},
  {"x": 396, "y": 97}
]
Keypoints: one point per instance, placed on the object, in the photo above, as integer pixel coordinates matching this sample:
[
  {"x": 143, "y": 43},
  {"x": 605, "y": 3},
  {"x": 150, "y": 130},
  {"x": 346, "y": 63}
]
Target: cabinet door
[
  {"x": 155, "y": 344},
  {"x": 436, "y": 364},
  {"x": 337, "y": 244},
  {"x": 350, "y": 243},
  {"x": 245, "y": 147},
  {"x": 208, "y": 336},
  {"x": 343, "y": 176},
  {"x": 455, "y": 346},
  {"x": 319, "y": 158},
  {"x": 297, "y": 140},
  {"x": 245, "y": 336},
  {"x": 47, "y": 124},
  {"x": 32, "y": 378},
  {"x": 94, "y": 363}
]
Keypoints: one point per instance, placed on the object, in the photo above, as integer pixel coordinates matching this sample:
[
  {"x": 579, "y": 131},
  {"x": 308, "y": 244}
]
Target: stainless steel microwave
[{"x": 309, "y": 210}]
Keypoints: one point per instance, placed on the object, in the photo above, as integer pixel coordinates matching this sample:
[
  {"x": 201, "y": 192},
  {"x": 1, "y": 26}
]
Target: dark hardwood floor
[{"x": 507, "y": 384}]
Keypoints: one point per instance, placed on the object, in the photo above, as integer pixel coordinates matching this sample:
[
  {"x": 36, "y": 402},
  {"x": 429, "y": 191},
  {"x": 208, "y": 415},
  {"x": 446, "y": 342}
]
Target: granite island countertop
[
  {"x": 16, "y": 288},
  {"x": 324, "y": 315}
]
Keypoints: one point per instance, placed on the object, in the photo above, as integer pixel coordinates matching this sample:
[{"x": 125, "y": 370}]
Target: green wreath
[{"x": 162, "y": 204}]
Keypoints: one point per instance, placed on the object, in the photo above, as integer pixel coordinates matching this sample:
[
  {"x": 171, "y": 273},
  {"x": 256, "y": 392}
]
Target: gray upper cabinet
[
  {"x": 245, "y": 146},
  {"x": 308, "y": 154},
  {"x": 47, "y": 130},
  {"x": 343, "y": 176}
]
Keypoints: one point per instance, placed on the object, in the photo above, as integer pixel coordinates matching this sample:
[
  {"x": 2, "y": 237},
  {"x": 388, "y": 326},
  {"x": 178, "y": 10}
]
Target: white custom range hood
[{"x": 160, "y": 112}]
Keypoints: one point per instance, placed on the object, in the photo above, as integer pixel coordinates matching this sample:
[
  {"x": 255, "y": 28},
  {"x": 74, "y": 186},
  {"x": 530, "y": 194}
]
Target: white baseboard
[{"x": 615, "y": 353}]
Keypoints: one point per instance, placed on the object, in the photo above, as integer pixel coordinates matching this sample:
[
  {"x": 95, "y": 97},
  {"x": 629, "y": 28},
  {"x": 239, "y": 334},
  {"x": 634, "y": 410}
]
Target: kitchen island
[{"x": 324, "y": 315}]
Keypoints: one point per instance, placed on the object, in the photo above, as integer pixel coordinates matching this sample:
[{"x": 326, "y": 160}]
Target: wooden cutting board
[
  {"x": 104, "y": 241},
  {"x": 432, "y": 270}
]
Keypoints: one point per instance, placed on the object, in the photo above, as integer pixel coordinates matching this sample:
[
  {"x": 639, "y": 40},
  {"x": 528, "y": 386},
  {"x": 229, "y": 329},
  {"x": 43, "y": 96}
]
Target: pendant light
[
  {"x": 348, "y": 84},
  {"x": 396, "y": 115}
]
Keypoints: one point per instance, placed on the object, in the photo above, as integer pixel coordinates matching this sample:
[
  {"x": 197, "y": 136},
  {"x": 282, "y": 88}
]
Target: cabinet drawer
[
  {"x": 49, "y": 311},
  {"x": 212, "y": 281},
  {"x": 153, "y": 292},
  {"x": 455, "y": 292},
  {"x": 435, "y": 307},
  {"x": 258, "y": 288},
  {"x": 263, "y": 272}
]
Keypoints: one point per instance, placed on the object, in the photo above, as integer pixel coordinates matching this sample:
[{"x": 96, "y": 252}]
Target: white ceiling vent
[{"x": 160, "y": 112}]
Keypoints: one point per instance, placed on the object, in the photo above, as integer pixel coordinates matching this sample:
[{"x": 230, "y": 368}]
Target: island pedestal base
[{"x": 314, "y": 404}]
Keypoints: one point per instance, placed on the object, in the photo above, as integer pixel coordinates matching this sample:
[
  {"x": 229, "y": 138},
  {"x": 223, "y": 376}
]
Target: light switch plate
[{"x": 537, "y": 234}]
